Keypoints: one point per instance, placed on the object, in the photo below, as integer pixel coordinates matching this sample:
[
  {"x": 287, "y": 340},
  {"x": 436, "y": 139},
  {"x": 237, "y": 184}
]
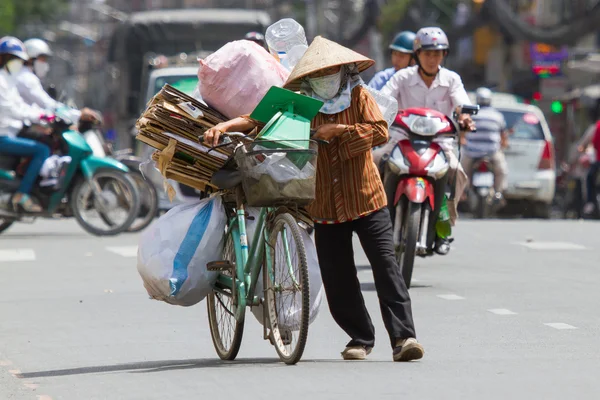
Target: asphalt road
[{"x": 512, "y": 312}]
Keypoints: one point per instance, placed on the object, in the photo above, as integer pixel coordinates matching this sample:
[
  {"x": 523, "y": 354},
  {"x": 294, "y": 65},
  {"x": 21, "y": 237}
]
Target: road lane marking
[
  {"x": 552, "y": 246},
  {"x": 501, "y": 311},
  {"x": 124, "y": 251},
  {"x": 17, "y": 255},
  {"x": 560, "y": 325},
  {"x": 450, "y": 297}
]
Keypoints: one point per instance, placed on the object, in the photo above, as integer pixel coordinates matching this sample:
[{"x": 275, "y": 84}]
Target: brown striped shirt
[{"x": 348, "y": 184}]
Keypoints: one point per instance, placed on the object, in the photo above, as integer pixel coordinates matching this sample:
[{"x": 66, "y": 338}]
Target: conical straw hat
[{"x": 323, "y": 53}]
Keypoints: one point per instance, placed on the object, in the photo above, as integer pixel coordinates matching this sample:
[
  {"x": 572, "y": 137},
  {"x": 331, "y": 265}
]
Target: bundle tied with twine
[{"x": 172, "y": 124}]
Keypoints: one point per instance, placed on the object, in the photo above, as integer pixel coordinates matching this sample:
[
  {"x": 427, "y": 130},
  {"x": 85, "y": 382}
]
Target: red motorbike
[{"x": 416, "y": 182}]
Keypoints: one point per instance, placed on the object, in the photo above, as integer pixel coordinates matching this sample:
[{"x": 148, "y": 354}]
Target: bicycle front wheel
[
  {"x": 225, "y": 330},
  {"x": 287, "y": 299}
]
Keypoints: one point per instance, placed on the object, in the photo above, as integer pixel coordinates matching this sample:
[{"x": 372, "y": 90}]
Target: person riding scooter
[
  {"x": 14, "y": 112},
  {"x": 592, "y": 136},
  {"x": 488, "y": 141},
  {"x": 30, "y": 86},
  {"x": 429, "y": 85},
  {"x": 401, "y": 53}
]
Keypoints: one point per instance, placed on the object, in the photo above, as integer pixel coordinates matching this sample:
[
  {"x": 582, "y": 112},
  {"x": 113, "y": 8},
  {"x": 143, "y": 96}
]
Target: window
[
  {"x": 526, "y": 125},
  {"x": 185, "y": 83}
]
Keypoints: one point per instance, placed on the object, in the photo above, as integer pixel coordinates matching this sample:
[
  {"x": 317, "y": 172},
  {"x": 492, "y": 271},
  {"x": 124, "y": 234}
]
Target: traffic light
[{"x": 556, "y": 107}]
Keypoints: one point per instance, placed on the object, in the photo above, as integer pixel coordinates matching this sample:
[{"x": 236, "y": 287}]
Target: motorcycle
[
  {"x": 413, "y": 170},
  {"x": 148, "y": 193},
  {"x": 84, "y": 186},
  {"x": 482, "y": 199}
]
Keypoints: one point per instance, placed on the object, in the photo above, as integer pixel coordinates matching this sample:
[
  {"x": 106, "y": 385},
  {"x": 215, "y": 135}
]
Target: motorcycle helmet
[
  {"x": 483, "y": 97},
  {"x": 256, "y": 37},
  {"x": 37, "y": 47},
  {"x": 403, "y": 42},
  {"x": 431, "y": 38},
  {"x": 13, "y": 46}
]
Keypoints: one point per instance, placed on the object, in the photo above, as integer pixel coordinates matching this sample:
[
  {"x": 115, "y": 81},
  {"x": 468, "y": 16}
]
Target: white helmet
[
  {"x": 431, "y": 38},
  {"x": 483, "y": 96},
  {"x": 37, "y": 47}
]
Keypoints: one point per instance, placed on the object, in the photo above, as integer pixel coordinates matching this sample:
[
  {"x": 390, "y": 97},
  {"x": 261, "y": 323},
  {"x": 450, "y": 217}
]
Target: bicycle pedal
[{"x": 219, "y": 266}]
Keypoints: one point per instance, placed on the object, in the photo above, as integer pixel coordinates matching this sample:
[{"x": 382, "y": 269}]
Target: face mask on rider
[
  {"x": 14, "y": 66},
  {"x": 41, "y": 68},
  {"x": 327, "y": 86}
]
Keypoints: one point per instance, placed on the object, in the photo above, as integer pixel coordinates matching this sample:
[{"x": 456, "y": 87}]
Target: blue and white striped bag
[{"x": 174, "y": 251}]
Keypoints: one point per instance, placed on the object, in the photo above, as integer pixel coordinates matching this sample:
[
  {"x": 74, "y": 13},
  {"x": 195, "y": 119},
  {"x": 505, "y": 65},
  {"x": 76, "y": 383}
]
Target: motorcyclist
[
  {"x": 401, "y": 53},
  {"x": 429, "y": 85},
  {"x": 488, "y": 141},
  {"x": 14, "y": 112},
  {"x": 591, "y": 136},
  {"x": 30, "y": 86},
  {"x": 256, "y": 37}
]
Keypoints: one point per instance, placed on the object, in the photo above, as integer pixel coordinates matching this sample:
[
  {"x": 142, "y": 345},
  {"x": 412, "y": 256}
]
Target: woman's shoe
[{"x": 25, "y": 203}]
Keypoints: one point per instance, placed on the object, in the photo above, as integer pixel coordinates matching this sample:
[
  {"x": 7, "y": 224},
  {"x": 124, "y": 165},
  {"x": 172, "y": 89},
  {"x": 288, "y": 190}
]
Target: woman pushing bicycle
[{"x": 349, "y": 197}]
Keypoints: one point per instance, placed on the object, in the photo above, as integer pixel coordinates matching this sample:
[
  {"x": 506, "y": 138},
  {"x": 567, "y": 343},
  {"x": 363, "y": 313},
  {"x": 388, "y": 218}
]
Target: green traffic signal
[{"x": 556, "y": 107}]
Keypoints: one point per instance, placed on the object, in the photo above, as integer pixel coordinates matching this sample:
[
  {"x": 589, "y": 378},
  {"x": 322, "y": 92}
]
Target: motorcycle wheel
[
  {"x": 82, "y": 200},
  {"x": 481, "y": 210},
  {"x": 409, "y": 232},
  {"x": 4, "y": 225},
  {"x": 149, "y": 203}
]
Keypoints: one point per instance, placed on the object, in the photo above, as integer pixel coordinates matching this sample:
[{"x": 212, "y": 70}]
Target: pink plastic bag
[{"x": 236, "y": 77}]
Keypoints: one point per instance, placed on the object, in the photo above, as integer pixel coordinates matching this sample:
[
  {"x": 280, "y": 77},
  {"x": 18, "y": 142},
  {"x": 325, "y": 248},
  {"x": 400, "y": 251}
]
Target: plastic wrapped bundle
[{"x": 237, "y": 76}]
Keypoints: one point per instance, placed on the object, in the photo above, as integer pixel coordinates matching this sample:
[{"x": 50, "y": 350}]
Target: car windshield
[
  {"x": 185, "y": 83},
  {"x": 526, "y": 125}
]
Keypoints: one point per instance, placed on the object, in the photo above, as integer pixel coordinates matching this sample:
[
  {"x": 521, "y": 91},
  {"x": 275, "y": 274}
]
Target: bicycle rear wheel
[
  {"x": 225, "y": 330},
  {"x": 286, "y": 284}
]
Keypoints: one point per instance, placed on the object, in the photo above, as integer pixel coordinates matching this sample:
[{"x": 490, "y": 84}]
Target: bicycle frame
[{"x": 249, "y": 260}]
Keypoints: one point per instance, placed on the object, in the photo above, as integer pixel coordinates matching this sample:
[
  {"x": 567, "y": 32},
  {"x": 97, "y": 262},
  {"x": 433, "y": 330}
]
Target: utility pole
[{"x": 311, "y": 19}]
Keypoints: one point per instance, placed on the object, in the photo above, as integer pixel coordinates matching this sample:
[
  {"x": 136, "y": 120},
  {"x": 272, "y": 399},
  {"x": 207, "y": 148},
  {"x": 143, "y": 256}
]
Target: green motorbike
[{"x": 88, "y": 188}]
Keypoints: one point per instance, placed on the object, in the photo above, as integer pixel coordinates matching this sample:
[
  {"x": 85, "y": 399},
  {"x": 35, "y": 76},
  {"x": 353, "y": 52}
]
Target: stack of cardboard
[{"x": 172, "y": 124}]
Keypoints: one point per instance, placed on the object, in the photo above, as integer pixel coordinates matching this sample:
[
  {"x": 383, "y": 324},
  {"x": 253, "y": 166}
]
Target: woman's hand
[
  {"x": 329, "y": 132},
  {"x": 212, "y": 135}
]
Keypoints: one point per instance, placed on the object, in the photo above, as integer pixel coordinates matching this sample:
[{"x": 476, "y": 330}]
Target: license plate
[{"x": 484, "y": 179}]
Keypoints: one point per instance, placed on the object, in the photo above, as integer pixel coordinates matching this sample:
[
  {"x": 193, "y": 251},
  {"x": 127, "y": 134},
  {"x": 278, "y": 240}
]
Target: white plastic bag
[
  {"x": 236, "y": 77},
  {"x": 291, "y": 320},
  {"x": 52, "y": 168},
  {"x": 387, "y": 104},
  {"x": 174, "y": 251},
  {"x": 281, "y": 168}
]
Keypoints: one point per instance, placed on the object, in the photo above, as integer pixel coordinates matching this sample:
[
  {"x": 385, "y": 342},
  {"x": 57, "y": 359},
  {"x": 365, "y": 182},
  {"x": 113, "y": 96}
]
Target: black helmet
[{"x": 256, "y": 37}]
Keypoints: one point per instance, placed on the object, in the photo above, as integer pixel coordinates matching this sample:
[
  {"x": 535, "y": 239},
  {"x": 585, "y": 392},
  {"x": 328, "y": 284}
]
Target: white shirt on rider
[
  {"x": 14, "y": 111},
  {"x": 31, "y": 90},
  {"x": 444, "y": 95}
]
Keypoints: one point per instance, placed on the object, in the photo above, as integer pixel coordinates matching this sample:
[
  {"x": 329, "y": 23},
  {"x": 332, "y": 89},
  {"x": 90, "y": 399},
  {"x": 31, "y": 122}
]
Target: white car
[{"x": 530, "y": 159}]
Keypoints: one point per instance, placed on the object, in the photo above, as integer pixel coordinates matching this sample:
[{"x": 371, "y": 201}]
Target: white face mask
[
  {"x": 14, "y": 66},
  {"x": 41, "y": 68},
  {"x": 327, "y": 86}
]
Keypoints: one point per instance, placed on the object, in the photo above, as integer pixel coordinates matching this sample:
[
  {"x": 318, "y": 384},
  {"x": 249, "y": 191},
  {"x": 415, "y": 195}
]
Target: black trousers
[{"x": 346, "y": 303}]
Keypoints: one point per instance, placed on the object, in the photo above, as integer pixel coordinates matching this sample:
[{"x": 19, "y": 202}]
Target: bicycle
[{"x": 277, "y": 251}]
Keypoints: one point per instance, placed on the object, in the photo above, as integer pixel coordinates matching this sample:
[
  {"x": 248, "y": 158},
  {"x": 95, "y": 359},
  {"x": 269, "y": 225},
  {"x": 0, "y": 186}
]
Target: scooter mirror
[{"x": 469, "y": 109}]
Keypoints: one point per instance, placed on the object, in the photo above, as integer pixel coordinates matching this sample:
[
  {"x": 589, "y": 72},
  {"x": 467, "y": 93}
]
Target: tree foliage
[{"x": 14, "y": 13}]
